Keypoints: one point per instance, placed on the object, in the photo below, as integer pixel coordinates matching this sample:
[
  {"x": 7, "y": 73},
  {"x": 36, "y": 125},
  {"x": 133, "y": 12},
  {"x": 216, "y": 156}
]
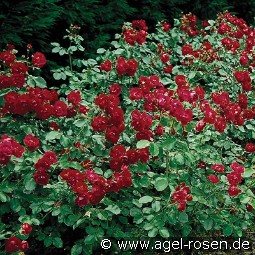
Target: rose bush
[{"x": 154, "y": 138}]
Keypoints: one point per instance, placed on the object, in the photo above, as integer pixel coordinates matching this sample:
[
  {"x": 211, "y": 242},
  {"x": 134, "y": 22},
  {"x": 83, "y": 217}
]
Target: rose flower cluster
[
  {"x": 182, "y": 196},
  {"x": 14, "y": 244},
  {"x": 17, "y": 70},
  {"x": 120, "y": 156},
  {"x": 112, "y": 122},
  {"x": 42, "y": 166},
  {"x": 91, "y": 187},
  {"x": 158, "y": 98},
  {"x": 136, "y": 34},
  {"x": 44, "y": 103},
  {"x": 234, "y": 178},
  {"x": 8, "y": 147}
]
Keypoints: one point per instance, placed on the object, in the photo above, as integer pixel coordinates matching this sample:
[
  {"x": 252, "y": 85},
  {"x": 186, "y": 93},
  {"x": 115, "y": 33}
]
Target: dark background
[{"x": 40, "y": 22}]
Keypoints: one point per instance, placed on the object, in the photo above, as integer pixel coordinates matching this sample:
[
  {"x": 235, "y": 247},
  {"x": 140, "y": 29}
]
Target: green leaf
[
  {"x": 154, "y": 149},
  {"x": 57, "y": 76},
  {"x": 76, "y": 249},
  {"x": 241, "y": 128},
  {"x": 183, "y": 217},
  {"x": 57, "y": 242},
  {"x": 208, "y": 223},
  {"x": 245, "y": 199},
  {"x": 64, "y": 141},
  {"x": 222, "y": 72},
  {"x": 40, "y": 82},
  {"x": 161, "y": 183},
  {"x": 135, "y": 212},
  {"x": 186, "y": 230},
  {"x": 118, "y": 51},
  {"x": 164, "y": 232},
  {"x": 62, "y": 52},
  {"x": 3, "y": 197},
  {"x": 153, "y": 232},
  {"x": 179, "y": 159},
  {"x": 56, "y": 49},
  {"x": 47, "y": 241},
  {"x": 15, "y": 205},
  {"x": 169, "y": 143},
  {"x": 145, "y": 199},
  {"x": 101, "y": 50},
  {"x": 156, "y": 206},
  {"x": 250, "y": 127},
  {"x": 30, "y": 183},
  {"x": 192, "y": 74},
  {"x": 142, "y": 144},
  {"x": 52, "y": 135},
  {"x": 35, "y": 221},
  {"x": 248, "y": 173},
  {"x": 55, "y": 44},
  {"x": 79, "y": 123},
  {"x": 227, "y": 230},
  {"x": 113, "y": 208}
]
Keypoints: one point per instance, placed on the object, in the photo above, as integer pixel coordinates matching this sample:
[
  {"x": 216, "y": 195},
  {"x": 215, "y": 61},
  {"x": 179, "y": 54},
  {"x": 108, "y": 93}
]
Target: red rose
[
  {"x": 41, "y": 178},
  {"x": 101, "y": 101},
  {"x": 168, "y": 69},
  {"x": 7, "y": 57},
  {"x": 131, "y": 66},
  {"x": 106, "y": 66},
  {"x": 50, "y": 156},
  {"x": 38, "y": 60},
  {"x": 233, "y": 191},
  {"x": 136, "y": 93},
  {"x": 115, "y": 89},
  {"x": 12, "y": 244},
  {"x": 234, "y": 178},
  {"x": 139, "y": 25},
  {"x": 82, "y": 200},
  {"x": 24, "y": 246},
  {"x": 187, "y": 50},
  {"x": 200, "y": 126},
  {"x": 42, "y": 165},
  {"x": 159, "y": 130},
  {"x": 71, "y": 112},
  {"x": 44, "y": 111},
  {"x": 220, "y": 124},
  {"x": 250, "y": 147},
  {"x": 166, "y": 26},
  {"x": 99, "y": 123},
  {"x": 243, "y": 101},
  {"x": 31, "y": 142},
  {"x": 54, "y": 125},
  {"x": 180, "y": 80},
  {"x": 19, "y": 67},
  {"x": 141, "y": 37},
  {"x": 74, "y": 97},
  {"x": 218, "y": 168},
  {"x": 26, "y": 229},
  {"x": 83, "y": 109},
  {"x": 17, "y": 80},
  {"x": 60, "y": 109},
  {"x": 5, "y": 81},
  {"x": 144, "y": 135},
  {"x": 164, "y": 57}
]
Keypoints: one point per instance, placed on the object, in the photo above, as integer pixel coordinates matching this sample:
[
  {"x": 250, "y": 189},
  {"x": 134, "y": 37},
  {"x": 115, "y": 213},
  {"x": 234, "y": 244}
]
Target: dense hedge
[{"x": 40, "y": 22}]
